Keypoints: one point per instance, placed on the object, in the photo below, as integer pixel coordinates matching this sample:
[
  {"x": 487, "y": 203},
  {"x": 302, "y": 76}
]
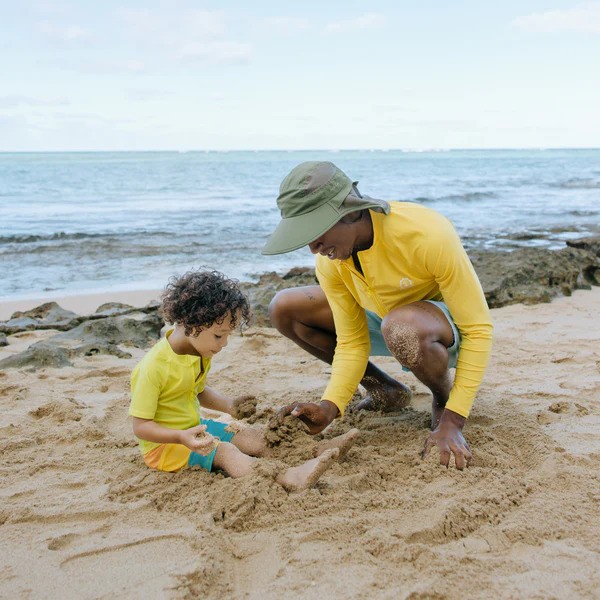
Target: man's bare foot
[
  {"x": 342, "y": 442},
  {"x": 244, "y": 407},
  {"x": 384, "y": 397},
  {"x": 308, "y": 473}
]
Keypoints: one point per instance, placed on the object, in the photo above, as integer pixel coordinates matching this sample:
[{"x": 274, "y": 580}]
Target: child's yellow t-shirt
[
  {"x": 165, "y": 388},
  {"x": 416, "y": 255}
]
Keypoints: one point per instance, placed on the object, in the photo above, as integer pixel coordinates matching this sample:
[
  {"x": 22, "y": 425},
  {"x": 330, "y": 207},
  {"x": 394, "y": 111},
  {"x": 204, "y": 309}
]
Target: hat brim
[{"x": 294, "y": 233}]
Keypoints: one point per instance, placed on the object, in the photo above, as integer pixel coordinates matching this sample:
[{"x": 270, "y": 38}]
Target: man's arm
[
  {"x": 350, "y": 358},
  {"x": 446, "y": 258},
  {"x": 352, "y": 337},
  {"x": 461, "y": 290}
]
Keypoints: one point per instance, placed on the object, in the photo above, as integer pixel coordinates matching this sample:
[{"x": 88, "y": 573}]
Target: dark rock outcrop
[
  {"x": 526, "y": 275},
  {"x": 134, "y": 329},
  {"x": 46, "y": 316},
  {"x": 261, "y": 293},
  {"x": 532, "y": 275},
  {"x": 94, "y": 336}
]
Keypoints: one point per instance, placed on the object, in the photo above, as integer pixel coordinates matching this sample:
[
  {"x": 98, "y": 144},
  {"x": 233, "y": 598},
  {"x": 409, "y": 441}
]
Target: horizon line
[{"x": 216, "y": 150}]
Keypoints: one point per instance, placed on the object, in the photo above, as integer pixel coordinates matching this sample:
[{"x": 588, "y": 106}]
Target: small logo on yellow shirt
[{"x": 405, "y": 282}]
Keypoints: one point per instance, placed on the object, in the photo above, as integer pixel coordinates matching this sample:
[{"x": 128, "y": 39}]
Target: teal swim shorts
[
  {"x": 218, "y": 430},
  {"x": 379, "y": 347}
]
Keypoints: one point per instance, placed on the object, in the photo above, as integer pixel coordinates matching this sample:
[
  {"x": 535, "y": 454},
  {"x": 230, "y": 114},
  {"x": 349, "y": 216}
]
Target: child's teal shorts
[
  {"x": 174, "y": 457},
  {"x": 218, "y": 430}
]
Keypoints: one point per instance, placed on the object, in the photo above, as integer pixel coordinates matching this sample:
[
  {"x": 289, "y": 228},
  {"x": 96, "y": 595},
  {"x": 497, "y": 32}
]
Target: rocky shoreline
[{"x": 528, "y": 276}]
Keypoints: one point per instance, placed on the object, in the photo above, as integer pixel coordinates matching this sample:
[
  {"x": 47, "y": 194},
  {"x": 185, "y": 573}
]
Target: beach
[{"x": 83, "y": 517}]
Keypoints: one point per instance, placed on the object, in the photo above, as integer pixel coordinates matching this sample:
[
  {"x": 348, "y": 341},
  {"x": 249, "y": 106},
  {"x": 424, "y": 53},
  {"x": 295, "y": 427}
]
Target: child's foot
[
  {"x": 308, "y": 473},
  {"x": 342, "y": 442}
]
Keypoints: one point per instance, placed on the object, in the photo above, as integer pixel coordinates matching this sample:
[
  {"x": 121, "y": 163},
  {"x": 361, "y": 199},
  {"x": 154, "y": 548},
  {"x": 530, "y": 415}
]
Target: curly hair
[{"x": 198, "y": 299}]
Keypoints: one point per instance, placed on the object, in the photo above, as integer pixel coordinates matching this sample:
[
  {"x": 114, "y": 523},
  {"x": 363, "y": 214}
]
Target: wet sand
[{"x": 81, "y": 516}]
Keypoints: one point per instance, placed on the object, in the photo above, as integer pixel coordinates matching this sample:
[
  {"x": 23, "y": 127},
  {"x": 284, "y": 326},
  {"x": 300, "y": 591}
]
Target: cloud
[
  {"x": 364, "y": 22},
  {"x": 286, "y": 25},
  {"x": 582, "y": 18},
  {"x": 148, "y": 94},
  {"x": 15, "y": 100},
  {"x": 171, "y": 27},
  {"x": 64, "y": 33},
  {"x": 131, "y": 65},
  {"x": 216, "y": 52},
  {"x": 187, "y": 36}
]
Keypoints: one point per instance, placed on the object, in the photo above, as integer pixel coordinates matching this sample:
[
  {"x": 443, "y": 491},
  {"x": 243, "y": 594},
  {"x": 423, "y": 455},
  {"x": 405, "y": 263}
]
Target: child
[{"x": 168, "y": 387}]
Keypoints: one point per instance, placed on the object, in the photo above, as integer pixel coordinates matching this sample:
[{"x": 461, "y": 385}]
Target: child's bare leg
[
  {"x": 342, "y": 442},
  {"x": 237, "y": 464},
  {"x": 233, "y": 461},
  {"x": 250, "y": 441},
  {"x": 308, "y": 473}
]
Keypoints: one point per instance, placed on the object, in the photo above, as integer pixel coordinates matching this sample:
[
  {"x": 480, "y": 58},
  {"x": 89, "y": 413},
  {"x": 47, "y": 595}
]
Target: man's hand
[
  {"x": 197, "y": 440},
  {"x": 316, "y": 416},
  {"x": 448, "y": 437}
]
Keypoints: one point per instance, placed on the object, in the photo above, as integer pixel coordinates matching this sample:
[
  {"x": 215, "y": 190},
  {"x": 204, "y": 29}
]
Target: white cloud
[
  {"x": 131, "y": 65},
  {"x": 64, "y": 33},
  {"x": 216, "y": 52},
  {"x": 364, "y": 22},
  {"x": 171, "y": 27},
  {"x": 192, "y": 35},
  {"x": 284, "y": 25},
  {"x": 15, "y": 100},
  {"x": 583, "y": 18}
]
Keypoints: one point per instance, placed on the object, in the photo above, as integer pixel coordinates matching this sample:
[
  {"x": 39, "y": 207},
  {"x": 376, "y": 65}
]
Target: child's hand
[
  {"x": 197, "y": 440},
  {"x": 243, "y": 407}
]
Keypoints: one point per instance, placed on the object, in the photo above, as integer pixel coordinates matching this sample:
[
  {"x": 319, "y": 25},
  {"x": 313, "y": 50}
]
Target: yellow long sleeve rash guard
[{"x": 416, "y": 255}]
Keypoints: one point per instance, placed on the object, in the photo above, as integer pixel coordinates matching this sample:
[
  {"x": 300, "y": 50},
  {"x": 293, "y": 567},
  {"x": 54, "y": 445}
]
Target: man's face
[{"x": 336, "y": 243}]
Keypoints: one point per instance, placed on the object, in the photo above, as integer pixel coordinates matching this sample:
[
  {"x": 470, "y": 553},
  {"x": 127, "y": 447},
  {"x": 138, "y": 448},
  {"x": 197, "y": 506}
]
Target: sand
[{"x": 82, "y": 517}]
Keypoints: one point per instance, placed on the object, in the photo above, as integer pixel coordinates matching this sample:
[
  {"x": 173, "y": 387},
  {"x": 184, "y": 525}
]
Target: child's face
[{"x": 213, "y": 339}]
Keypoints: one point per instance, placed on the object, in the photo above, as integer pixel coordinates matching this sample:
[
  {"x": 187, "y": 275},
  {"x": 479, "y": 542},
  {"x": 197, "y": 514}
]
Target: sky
[{"x": 239, "y": 75}]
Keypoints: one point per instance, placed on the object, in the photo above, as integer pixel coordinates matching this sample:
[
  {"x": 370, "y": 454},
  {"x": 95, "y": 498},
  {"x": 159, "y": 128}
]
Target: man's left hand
[{"x": 448, "y": 437}]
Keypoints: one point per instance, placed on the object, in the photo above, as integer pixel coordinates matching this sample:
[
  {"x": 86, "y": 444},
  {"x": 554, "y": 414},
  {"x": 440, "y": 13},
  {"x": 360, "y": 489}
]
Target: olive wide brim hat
[{"x": 313, "y": 197}]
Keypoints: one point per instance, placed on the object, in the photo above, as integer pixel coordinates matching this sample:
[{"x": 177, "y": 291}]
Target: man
[{"x": 394, "y": 280}]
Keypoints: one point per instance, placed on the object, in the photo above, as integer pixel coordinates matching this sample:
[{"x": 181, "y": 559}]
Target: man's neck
[{"x": 364, "y": 238}]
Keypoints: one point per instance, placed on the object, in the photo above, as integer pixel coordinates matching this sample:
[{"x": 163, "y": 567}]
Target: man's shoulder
[
  {"x": 416, "y": 217},
  {"x": 409, "y": 207}
]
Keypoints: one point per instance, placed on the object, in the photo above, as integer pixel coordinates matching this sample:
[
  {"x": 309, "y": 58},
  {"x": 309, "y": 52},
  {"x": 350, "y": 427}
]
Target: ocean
[{"x": 97, "y": 221}]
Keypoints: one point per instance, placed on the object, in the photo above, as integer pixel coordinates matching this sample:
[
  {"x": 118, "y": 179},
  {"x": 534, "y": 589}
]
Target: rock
[
  {"x": 591, "y": 244},
  {"x": 531, "y": 275},
  {"x": 46, "y": 316},
  {"x": 135, "y": 329},
  {"x": 3, "y": 340},
  {"x": 102, "y": 348},
  {"x": 261, "y": 293},
  {"x": 114, "y": 309},
  {"x": 41, "y": 354}
]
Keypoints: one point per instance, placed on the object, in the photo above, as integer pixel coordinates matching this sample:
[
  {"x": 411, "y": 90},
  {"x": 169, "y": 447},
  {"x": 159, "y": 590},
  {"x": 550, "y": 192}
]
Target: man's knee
[
  {"x": 280, "y": 308},
  {"x": 404, "y": 336}
]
